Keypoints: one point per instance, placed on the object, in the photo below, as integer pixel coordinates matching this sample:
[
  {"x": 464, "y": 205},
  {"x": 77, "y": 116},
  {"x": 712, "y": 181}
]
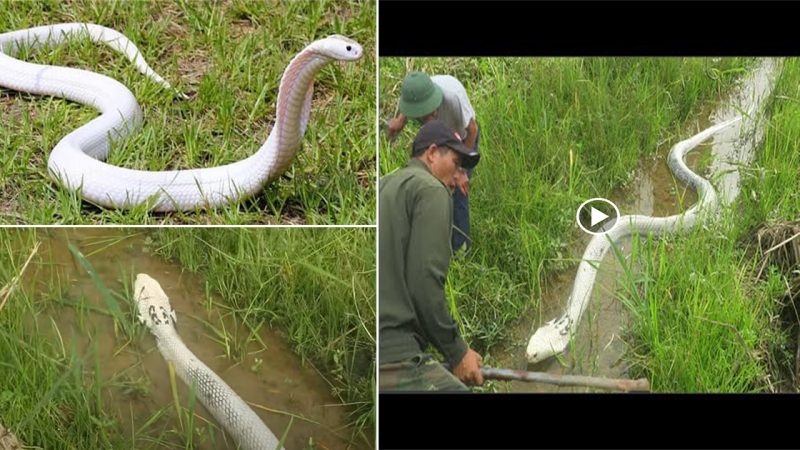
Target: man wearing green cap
[
  {"x": 414, "y": 257},
  {"x": 442, "y": 97}
]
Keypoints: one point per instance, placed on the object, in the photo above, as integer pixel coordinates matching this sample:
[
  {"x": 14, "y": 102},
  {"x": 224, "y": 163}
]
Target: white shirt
[{"x": 456, "y": 110}]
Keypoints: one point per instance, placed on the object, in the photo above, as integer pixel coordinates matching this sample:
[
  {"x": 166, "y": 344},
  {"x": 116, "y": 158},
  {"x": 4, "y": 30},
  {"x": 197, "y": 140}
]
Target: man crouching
[{"x": 415, "y": 222}]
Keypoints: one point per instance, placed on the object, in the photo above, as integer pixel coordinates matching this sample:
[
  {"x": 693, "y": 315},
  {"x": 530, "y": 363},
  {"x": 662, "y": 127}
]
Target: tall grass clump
[
  {"x": 230, "y": 56},
  {"x": 697, "y": 322},
  {"x": 49, "y": 395},
  {"x": 554, "y": 132},
  {"x": 317, "y": 284},
  {"x": 772, "y": 196}
]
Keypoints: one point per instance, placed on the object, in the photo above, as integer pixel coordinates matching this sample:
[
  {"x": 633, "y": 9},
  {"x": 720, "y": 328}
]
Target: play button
[{"x": 597, "y": 216}]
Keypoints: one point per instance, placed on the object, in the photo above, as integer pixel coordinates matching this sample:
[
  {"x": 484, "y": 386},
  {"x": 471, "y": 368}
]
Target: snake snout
[
  {"x": 354, "y": 50},
  {"x": 350, "y": 51},
  {"x": 340, "y": 47}
]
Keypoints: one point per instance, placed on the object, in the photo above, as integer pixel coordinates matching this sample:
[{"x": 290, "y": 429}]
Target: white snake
[
  {"x": 554, "y": 336},
  {"x": 228, "y": 408},
  {"x": 75, "y": 162}
]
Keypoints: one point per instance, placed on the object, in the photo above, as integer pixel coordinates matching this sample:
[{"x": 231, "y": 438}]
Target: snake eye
[{"x": 349, "y": 47}]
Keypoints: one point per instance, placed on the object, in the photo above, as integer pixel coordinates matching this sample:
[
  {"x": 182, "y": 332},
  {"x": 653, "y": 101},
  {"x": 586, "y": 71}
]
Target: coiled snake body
[
  {"x": 554, "y": 336},
  {"x": 75, "y": 162},
  {"x": 224, "y": 404}
]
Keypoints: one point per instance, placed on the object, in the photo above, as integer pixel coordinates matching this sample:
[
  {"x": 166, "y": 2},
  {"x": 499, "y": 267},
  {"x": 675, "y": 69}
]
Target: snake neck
[{"x": 294, "y": 106}]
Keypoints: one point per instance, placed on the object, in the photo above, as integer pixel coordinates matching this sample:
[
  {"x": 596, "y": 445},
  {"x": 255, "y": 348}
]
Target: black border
[
  {"x": 588, "y": 29},
  {"x": 588, "y": 421},
  {"x": 572, "y": 28}
]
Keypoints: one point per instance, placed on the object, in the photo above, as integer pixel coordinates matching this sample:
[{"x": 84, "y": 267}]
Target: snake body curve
[
  {"x": 76, "y": 162},
  {"x": 554, "y": 336},
  {"x": 155, "y": 312}
]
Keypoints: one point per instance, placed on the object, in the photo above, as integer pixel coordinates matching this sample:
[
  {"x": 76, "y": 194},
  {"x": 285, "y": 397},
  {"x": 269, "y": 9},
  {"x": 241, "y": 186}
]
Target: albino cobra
[
  {"x": 554, "y": 336},
  {"x": 75, "y": 162},
  {"x": 228, "y": 408}
]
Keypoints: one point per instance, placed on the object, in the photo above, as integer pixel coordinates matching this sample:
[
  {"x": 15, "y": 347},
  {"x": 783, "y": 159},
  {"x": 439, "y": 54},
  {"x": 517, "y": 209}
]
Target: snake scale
[
  {"x": 155, "y": 312},
  {"x": 77, "y": 164}
]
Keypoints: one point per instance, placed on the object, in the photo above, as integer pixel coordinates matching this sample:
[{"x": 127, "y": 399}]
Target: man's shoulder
[
  {"x": 425, "y": 180},
  {"x": 448, "y": 82},
  {"x": 445, "y": 79},
  {"x": 413, "y": 178}
]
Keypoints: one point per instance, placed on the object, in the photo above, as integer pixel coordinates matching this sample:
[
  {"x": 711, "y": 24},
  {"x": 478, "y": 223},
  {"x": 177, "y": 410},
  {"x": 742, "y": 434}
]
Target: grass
[
  {"x": 697, "y": 320},
  {"x": 232, "y": 56},
  {"x": 57, "y": 391},
  {"x": 44, "y": 397},
  {"x": 554, "y": 132}
]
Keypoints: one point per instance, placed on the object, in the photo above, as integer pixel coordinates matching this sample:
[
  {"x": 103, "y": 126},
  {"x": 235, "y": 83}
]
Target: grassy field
[
  {"x": 554, "y": 132},
  {"x": 231, "y": 55},
  {"x": 56, "y": 393}
]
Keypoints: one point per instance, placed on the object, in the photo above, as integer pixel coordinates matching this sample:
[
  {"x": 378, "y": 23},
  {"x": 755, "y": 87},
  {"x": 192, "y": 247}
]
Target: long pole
[{"x": 616, "y": 384}]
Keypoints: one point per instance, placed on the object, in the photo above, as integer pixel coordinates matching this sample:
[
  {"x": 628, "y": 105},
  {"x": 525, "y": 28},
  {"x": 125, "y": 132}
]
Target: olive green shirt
[{"x": 416, "y": 215}]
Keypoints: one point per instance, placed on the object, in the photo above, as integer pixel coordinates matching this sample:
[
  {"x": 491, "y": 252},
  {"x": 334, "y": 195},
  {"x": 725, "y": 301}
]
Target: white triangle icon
[{"x": 597, "y": 216}]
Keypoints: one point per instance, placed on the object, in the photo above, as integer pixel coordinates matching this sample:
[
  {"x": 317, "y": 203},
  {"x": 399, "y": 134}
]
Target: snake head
[
  {"x": 550, "y": 339},
  {"x": 338, "y": 47},
  {"x": 152, "y": 303}
]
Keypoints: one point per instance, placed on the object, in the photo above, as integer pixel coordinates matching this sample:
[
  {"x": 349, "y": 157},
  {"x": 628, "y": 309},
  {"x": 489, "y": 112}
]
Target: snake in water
[
  {"x": 155, "y": 312},
  {"x": 554, "y": 336},
  {"x": 77, "y": 164}
]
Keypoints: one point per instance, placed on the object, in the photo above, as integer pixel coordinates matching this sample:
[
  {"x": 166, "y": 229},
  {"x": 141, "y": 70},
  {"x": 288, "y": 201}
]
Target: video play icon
[{"x": 597, "y": 216}]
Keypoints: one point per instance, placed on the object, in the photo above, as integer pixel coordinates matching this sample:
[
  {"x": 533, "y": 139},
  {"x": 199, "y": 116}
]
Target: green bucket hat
[{"x": 419, "y": 95}]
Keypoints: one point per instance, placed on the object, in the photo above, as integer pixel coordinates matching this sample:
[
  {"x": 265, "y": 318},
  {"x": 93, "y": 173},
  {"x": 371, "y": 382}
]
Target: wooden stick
[
  {"x": 616, "y": 384},
  {"x": 781, "y": 244}
]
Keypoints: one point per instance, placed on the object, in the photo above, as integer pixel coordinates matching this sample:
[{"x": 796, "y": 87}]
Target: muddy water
[
  {"x": 135, "y": 377},
  {"x": 598, "y": 347}
]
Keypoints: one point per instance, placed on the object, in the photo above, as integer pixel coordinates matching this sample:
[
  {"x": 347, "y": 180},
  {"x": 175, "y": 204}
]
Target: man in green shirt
[{"x": 415, "y": 221}]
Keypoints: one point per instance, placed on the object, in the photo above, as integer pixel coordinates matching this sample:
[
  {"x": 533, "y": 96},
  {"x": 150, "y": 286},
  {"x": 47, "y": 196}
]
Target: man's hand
[
  {"x": 469, "y": 369},
  {"x": 395, "y": 126},
  {"x": 462, "y": 181}
]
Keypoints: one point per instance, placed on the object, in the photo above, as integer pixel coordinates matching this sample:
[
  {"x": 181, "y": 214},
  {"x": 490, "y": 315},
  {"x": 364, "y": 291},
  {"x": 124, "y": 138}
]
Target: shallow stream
[
  {"x": 599, "y": 345},
  {"x": 254, "y": 360}
]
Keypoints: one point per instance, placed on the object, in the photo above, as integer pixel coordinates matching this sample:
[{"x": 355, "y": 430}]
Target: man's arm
[
  {"x": 396, "y": 125},
  {"x": 472, "y": 133},
  {"x": 427, "y": 263},
  {"x": 462, "y": 179}
]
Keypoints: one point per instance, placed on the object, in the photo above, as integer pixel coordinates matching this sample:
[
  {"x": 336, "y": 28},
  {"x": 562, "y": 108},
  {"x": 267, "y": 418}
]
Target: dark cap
[{"x": 436, "y": 132}]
